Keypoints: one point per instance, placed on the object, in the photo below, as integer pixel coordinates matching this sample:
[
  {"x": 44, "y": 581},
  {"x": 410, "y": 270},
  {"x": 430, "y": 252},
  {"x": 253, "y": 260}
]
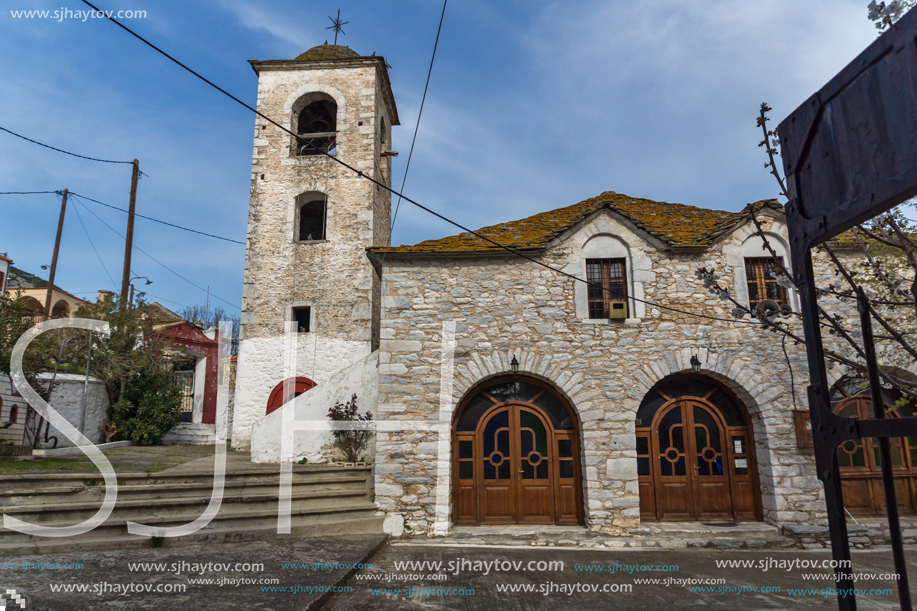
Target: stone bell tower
[{"x": 310, "y": 221}]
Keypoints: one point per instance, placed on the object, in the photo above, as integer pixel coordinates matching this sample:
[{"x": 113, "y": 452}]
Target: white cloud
[{"x": 292, "y": 36}]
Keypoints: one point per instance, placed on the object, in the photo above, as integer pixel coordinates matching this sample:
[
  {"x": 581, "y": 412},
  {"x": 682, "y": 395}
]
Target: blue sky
[{"x": 533, "y": 105}]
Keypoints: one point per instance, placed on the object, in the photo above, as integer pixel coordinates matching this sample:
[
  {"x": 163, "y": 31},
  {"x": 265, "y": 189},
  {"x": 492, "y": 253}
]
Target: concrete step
[
  {"x": 74, "y": 513},
  {"x": 327, "y": 525},
  {"x": 748, "y": 535},
  {"x": 324, "y": 500},
  {"x": 20, "y": 483},
  {"x": 232, "y": 487},
  {"x": 228, "y": 518}
]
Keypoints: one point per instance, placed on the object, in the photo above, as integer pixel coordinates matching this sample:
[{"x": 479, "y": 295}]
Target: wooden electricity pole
[
  {"x": 60, "y": 228},
  {"x": 129, "y": 238}
]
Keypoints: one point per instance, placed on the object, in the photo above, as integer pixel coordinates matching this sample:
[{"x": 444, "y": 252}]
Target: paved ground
[
  {"x": 551, "y": 586},
  {"x": 105, "y": 575},
  {"x": 149, "y": 459}
]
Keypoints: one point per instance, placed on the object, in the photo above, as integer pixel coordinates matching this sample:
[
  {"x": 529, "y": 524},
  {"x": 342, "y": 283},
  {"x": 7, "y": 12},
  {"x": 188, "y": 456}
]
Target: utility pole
[
  {"x": 129, "y": 238},
  {"x": 60, "y": 228}
]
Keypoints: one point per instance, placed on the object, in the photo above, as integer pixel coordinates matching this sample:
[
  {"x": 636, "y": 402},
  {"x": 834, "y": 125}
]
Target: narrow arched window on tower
[
  {"x": 316, "y": 124},
  {"x": 312, "y": 212}
]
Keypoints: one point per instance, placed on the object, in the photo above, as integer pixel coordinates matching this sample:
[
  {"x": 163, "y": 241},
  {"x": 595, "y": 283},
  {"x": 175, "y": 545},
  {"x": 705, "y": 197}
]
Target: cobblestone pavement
[
  {"x": 695, "y": 579},
  {"x": 244, "y": 575}
]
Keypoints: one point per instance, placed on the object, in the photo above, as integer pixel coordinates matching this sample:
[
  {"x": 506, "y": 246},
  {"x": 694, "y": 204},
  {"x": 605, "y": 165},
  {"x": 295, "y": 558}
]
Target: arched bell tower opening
[
  {"x": 315, "y": 122},
  {"x": 516, "y": 455}
]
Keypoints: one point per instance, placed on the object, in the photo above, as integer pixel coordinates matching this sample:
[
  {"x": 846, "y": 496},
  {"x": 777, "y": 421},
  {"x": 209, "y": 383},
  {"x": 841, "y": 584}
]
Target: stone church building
[{"x": 506, "y": 392}]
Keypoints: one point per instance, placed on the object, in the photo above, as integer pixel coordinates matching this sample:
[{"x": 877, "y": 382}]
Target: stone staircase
[{"x": 325, "y": 501}]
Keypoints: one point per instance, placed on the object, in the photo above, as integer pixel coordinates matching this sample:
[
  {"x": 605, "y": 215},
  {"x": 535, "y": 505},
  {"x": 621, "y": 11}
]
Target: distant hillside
[{"x": 20, "y": 279}]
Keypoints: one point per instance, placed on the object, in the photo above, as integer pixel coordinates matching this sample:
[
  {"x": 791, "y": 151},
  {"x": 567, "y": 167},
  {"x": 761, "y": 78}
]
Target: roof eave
[{"x": 378, "y": 254}]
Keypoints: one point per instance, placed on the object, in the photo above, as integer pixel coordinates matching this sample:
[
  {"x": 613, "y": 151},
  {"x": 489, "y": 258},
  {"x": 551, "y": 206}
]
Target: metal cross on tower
[{"x": 336, "y": 25}]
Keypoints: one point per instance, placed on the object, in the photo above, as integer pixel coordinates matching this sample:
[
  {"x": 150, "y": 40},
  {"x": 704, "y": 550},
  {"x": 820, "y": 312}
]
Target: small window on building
[
  {"x": 14, "y": 414},
  {"x": 383, "y": 130},
  {"x": 607, "y": 288},
  {"x": 311, "y": 217},
  {"x": 762, "y": 283},
  {"x": 302, "y": 317}
]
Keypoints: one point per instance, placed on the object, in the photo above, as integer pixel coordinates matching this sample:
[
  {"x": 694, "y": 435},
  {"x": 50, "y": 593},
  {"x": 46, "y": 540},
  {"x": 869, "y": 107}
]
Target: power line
[
  {"x": 80, "y": 218},
  {"x": 419, "y": 113},
  {"x": 63, "y": 151},
  {"x": 163, "y": 299},
  {"x": 149, "y": 218},
  {"x": 78, "y": 198},
  {"x": 26, "y": 192},
  {"x": 305, "y": 142}
]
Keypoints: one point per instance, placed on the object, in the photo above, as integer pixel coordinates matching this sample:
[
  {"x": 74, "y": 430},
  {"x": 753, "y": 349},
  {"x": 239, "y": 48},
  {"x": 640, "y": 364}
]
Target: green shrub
[{"x": 148, "y": 409}]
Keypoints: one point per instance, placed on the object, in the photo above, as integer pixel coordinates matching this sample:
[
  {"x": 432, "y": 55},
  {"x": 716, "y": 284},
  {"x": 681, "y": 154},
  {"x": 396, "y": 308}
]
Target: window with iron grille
[
  {"x": 760, "y": 272},
  {"x": 607, "y": 288}
]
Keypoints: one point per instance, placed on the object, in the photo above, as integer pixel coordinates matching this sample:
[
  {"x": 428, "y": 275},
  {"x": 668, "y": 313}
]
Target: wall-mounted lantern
[
  {"x": 514, "y": 364},
  {"x": 695, "y": 363}
]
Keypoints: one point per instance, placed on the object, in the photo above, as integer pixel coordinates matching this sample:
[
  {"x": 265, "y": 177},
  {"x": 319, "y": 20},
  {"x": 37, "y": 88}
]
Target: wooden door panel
[
  {"x": 711, "y": 499},
  {"x": 709, "y": 453},
  {"x": 498, "y": 504},
  {"x": 565, "y": 502},
  {"x": 901, "y": 494},
  {"x": 857, "y": 495},
  {"x": 465, "y": 507},
  {"x": 497, "y": 500},
  {"x": 647, "y": 504},
  {"x": 672, "y": 462},
  {"x": 743, "y": 499},
  {"x": 675, "y": 500},
  {"x": 536, "y": 505},
  {"x": 534, "y": 452}
]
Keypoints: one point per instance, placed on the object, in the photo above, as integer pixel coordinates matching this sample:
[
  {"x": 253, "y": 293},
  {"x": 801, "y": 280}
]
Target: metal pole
[
  {"x": 888, "y": 477},
  {"x": 60, "y": 228},
  {"x": 129, "y": 237},
  {"x": 825, "y": 436},
  {"x": 86, "y": 385}
]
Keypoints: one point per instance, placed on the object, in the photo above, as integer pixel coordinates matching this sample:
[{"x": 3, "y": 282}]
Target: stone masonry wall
[{"x": 503, "y": 306}]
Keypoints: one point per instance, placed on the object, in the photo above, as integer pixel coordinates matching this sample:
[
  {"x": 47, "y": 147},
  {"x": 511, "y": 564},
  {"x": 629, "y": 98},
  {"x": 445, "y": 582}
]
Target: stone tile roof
[
  {"x": 326, "y": 51},
  {"x": 677, "y": 225}
]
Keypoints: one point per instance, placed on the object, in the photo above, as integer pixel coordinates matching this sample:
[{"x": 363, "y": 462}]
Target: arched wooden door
[
  {"x": 695, "y": 460},
  {"x": 859, "y": 459},
  {"x": 286, "y": 390},
  {"x": 516, "y": 457},
  {"x": 689, "y": 443}
]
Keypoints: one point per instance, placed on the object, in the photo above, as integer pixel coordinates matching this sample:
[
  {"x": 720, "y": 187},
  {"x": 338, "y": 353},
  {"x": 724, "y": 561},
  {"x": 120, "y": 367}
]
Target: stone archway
[
  {"x": 695, "y": 453},
  {"x": 516, "y": 456}
]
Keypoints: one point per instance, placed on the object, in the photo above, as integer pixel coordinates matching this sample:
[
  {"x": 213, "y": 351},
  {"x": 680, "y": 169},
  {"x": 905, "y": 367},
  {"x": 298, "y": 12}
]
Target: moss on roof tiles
[
  {"x": 678, "y": 225},
  {"x": 326, "y": 51}
]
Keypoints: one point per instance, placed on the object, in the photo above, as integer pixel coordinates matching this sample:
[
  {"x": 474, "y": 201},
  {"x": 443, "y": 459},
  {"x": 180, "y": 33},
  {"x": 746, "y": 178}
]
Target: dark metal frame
[{"x": 850, "y": 153}]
